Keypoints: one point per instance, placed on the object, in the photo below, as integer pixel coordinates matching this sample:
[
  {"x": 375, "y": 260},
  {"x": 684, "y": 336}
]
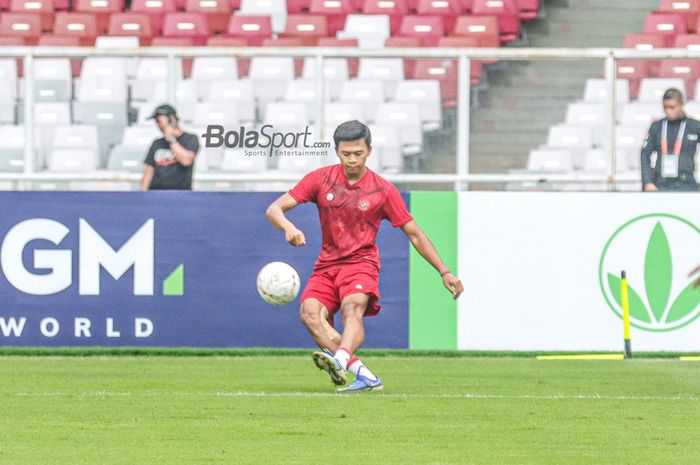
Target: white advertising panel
[{"x": 542, "y": 271}]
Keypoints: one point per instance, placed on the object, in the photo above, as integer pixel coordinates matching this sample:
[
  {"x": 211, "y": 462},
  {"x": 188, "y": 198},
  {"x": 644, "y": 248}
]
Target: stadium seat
[
  {"x": 53, "y": 80},
  {"x": 254, "y": 29},
  {"x": 185, "y": 93},
  {"x": 550, "y": 161},
  {"x": 192, "y": 25},
  {"x": 236, "y": 92},
  {"x": 687, "y": 70},
  {"x": 353, "y": 63},
  {"x": 507, "y": 13},
  {"x": 409, "y": 64},
  {"x": 243, "y": 63},
  {"x": 206, "y": 113},
  {"x": 334, "y": 11},
  {"x": 465, "y": 42},
  {"x": 644, "y": 41},
  {"x": 8, "y": 102},
  {"x": 408, "y": 118},
  {"x": 369, "y": 93},
  {"x": 12, "y": 145},
  {"x": 335, "y": 71},
  {"x": 630, "y": 137},
  {"x": 303, "y": 91},
  {"x": 386, "y": 147},
  {"x": 46, "y": 117},
  {"x": 44, "y": 8},
  {"x": 483, "y": 28},
  {"x": 8, "y": 75},
  {"x": 448, "y": 10},
  {"x": 428, "y": 28},
  {"x": 577, "y": 139},
  {"x": 130, "y": 153},
  {"x": 131, "y": 24},
  {"x": 426, "y": 94},
  {"x": 340, "y": 112},
  {"x": 287, "y": 116},
  {"x": 652, "y": 89},
  {"x": 298, "y": 6},
  {"x": 275, "y": 9},
  {"x": 689, "y": 41},
  {"x": 218, "y": 12},
  {"x": 81, "y": 25},
  {"x": 101, "y": 9},
  {"x": 594, "y": 115},
  {"x": 641, "y": 114},
  {"x": 394, "y": 9},
  {"x": 688, "y": 9},
  {"x": 235, "y": 160},
  {"x": 74, "y": 148},
  {"x": 528, "y": 10},
  {"x": 371, "y": 31},
  {"x": 270, "y": 76},
  {"x": 24, "y": 25},
  {"x": 633, "y": 71},
  {"x": 288, "y": 42},
  {"x": 308, "y": 28},
  {"x": 205, "y": 70},
  {"x": 388, "y": 70},
  {"x": 596, "y": 90},
  {"x": 444, "y": 71},
  {"x": 151, "y": 71},
  {"x": 156, "y": 9},
  {"x": 668, "y": 25}
]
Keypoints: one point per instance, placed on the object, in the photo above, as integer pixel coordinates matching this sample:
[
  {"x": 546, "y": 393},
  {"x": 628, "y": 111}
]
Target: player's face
[
  {"x": 162, "y": 122},
  {"x": 353, "y": 155},
  {"x": 673, "y": 109}
]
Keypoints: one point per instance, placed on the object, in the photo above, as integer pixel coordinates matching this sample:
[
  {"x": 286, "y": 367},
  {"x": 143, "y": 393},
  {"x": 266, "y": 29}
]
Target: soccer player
[{"x": 352, "y": 200}]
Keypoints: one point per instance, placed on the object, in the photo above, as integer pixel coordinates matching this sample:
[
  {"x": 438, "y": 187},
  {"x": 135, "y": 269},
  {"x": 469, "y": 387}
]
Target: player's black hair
[
  {"x": 673, "y": 94},
  {"x": 352, "y": 130}
]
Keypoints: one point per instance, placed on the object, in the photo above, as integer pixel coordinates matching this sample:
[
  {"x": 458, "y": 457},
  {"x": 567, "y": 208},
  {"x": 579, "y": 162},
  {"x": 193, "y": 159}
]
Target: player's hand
[
  {"x": 696, "y": 283},
  {"x": 649, "y": 187},
  {"x": 295, "y": 237},
  {"x": 453, "y": 284}
]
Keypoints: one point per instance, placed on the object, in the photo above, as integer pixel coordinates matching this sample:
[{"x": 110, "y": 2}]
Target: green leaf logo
[{"x": 661, "y": 307}]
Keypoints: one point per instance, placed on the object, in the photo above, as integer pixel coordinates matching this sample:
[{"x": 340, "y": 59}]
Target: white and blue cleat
[
  {"x": 362, "y": 383},
  {"x": 326, "y": 362}
]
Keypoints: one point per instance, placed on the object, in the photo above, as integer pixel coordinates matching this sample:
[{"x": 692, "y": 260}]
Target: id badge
[{"x": 669, "y": 165}]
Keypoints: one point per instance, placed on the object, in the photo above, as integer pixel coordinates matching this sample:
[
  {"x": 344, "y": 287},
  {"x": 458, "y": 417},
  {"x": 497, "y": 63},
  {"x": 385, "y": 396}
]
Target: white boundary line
[{"x": 284, "y": 395}]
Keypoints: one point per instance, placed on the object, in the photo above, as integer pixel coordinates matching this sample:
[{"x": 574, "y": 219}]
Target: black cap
[{"x": 165, "y": 109}]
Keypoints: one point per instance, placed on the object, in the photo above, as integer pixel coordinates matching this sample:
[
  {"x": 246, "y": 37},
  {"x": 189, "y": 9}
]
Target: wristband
[
  {"x": 444, "y": 273},
  {"x": 171, "y": 141}
]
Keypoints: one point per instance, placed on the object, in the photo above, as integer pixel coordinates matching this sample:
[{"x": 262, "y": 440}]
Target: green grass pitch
[{"x": 282, "y": 410}]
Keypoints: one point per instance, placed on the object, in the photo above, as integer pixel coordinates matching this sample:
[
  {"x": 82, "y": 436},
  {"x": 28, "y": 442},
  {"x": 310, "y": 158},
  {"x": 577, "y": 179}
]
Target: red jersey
[{"x": 350, "y": 213}]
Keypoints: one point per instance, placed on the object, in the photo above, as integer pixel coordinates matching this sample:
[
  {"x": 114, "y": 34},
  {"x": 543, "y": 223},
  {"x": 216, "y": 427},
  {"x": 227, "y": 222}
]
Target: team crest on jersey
[
  {"x": 363, "y": 205},
  {"x": 329, "y": 196}
]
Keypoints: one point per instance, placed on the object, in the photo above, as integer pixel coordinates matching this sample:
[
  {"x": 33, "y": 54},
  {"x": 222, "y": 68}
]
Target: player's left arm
[
  {"x": 184, "y": 154},
  {"x": 427, "y": 250}
]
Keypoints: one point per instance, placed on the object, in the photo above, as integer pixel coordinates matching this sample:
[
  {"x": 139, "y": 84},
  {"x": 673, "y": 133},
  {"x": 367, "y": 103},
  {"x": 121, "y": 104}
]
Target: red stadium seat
[
  {"x": 80, "y": 25},
  {"x": 192, "y": 25},
  {"x": 218, "y": 12},
  {"x": 429, "y": 28},
  {"x": 353, "y": 63},
  {"x": 395, "y": 9},
  {"x": 45, "y": 8},
  {"x": 689, "y": 41},
  {"x": 449, "y": 10},
  {"x": 243, "y": 63},
  {"x": 412, "y": 6},
  {"x": 102, "y": 9},
  {"x": 254, "y": 29},
  {"x": 295, "y": 7},
  {"x": 466, "y": 42},
  {"x": 634, "y": 71},
  {"x": 131, "y": 24},
  {"x": 309, "y": 28},
  {"x": 409, "y": 64},
  {"x": 445, "y": 71},
  {"x": 484, "y": 28},
  {"x": 507, "y": 13},
  {"x": 689, "y": 9},
  {"x": 668, "y": 25},
  {"x": 12, "y": 41},
  {"x": 335, "y": 12},
  {"x": 64, "y": 41},
  {"x": 644, "y": 41},
  {"x": 156, "y": 9},
  {"x": 25, "y": 25},
  {"x": 467, "y": 6},
  {"x": 528, "y": 10},
  {"x": 688, "y": 70}
]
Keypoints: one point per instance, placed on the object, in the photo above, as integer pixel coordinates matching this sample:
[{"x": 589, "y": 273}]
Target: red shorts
[{"x": 332, "y": 284}]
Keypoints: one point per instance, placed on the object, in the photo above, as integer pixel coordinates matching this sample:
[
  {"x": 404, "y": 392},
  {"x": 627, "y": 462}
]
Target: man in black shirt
[
  {"x": 674, "y": 139},
  {"x": 170, "y": 159}
]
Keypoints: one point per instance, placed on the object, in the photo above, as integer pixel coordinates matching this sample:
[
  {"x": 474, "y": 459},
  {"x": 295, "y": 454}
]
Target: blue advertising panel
[{"x": 165, "y": 269}]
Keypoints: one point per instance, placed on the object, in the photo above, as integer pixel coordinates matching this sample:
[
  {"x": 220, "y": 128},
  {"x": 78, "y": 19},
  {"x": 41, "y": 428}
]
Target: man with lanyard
[{"x": 674, "y": 139}]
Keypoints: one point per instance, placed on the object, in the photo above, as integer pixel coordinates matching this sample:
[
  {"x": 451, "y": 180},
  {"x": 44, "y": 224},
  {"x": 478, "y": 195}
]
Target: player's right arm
[
  {"x": 147, "y": 178},
  {"x": 275, "y": 214}
]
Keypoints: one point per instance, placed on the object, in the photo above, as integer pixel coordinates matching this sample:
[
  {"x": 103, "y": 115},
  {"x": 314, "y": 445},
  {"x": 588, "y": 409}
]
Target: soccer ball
[{"x": 278, "y": 283}]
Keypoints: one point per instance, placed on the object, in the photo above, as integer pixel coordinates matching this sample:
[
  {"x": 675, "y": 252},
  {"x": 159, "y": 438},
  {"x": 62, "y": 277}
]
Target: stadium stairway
[{"x": 521, "y": 104}]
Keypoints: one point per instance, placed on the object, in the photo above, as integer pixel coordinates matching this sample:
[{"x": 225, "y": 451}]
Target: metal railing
[{"x": 461, "y": 178}]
